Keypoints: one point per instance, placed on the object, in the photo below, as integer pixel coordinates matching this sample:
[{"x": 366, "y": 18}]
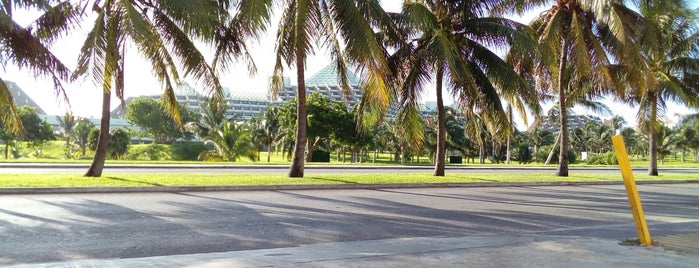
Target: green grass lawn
[
  {"x": 77, "y": 180},
  {"x": 53, "y": 152}
]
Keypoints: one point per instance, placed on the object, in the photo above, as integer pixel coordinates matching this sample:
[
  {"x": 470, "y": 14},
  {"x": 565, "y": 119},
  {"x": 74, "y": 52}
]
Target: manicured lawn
[
  {"x": 76, "y": 180},
  {"x": 53, "y": 153}
]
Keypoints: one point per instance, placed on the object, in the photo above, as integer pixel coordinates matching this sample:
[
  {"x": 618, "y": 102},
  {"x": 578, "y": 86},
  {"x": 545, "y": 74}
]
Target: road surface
[{"x": 47, "y": 228}]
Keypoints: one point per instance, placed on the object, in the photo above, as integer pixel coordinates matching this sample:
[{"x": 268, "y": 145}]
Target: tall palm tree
[
  {"x": 163, "y": 32},
  {"x": 576, "y": 38},
  {"x": 267, "y": 130},
  {"x": 28, "y": 47},
  {"x": 346, "y": 28},
  {"x": 668, "y": 64},
  {"x": 449, "y": 41}
]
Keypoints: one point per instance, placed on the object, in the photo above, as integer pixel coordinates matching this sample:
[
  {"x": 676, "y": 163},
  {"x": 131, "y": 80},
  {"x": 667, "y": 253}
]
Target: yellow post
[{"x": 631, "y": 191}]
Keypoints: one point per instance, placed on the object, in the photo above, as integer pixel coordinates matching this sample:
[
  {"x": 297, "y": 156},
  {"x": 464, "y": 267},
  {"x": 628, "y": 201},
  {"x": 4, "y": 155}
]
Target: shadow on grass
[
  {"x": 331, "y": 180},
  {"x": 134, "y": 181}
]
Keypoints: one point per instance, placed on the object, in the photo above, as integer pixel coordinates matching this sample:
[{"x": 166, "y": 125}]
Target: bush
[
  {"x": 608, "y": 158},
  {"x": 93, "y": 138},
  {"x": 149, "y": 152},
  {"x": 543, "y": 153},
  {"x": 189, "y": 150},
  {"x": 524, "y": 154},
  {"x": 320, "y": 156},
  {"x": 119, "y": 141}
]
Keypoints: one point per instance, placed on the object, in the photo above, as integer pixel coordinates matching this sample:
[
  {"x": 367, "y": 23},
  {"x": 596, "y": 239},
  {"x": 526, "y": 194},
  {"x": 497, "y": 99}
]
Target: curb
[
  {"x": 289, "y": 187},
  {"x": 279, "y": 166}
]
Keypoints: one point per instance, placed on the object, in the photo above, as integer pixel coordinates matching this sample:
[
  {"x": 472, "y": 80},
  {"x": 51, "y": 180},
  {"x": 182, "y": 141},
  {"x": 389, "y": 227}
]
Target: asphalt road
[
  {"x": 310, "y": 169},
  {"x": 44, "y": 228}
]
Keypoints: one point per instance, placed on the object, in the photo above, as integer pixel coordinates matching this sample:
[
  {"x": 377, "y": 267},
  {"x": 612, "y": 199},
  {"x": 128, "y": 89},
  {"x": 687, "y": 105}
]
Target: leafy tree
[
  {"x": 81, "y": 133},
  {"x": 324, "y": 115},
  {"x": 150, "y": 116},
  {"x": 93, "y": 138},
  {"x": 451, "y": 43},
  {"x": 229, "y": 143},
  {"x": 667, "y": 65},
  {"x": 7, "y": 137},
  {"x": 119, "y": 141},
  {"x": 28, "y": 47},
  {"x": 35, "y": 131},
  {"x": 331, "y": 22}
]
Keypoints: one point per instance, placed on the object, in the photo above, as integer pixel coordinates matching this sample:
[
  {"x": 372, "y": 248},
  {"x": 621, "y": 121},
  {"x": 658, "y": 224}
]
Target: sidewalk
[{"x": 480, "y": 251}]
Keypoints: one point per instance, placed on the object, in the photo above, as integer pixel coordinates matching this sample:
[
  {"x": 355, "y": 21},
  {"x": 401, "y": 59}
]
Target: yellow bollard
[{"x": 631, "y": 191}]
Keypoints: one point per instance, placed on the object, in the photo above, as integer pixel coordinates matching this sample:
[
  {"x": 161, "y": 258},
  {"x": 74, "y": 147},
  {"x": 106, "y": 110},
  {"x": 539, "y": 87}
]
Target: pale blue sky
[{"x": 84, "y": 96}]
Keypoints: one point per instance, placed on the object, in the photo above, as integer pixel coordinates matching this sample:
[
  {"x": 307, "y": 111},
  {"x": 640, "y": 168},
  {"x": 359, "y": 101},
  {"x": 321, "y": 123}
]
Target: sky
[{"x": 85, "y": 97}]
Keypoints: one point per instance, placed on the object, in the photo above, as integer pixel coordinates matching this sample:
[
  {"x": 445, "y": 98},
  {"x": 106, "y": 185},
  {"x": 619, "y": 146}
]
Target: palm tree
[
  {"x": 267, "y": 129},
  {"x": 330, "y": 21},
  {"x": 163, "y": 32},
  {"x": 66, "y": 124},
  {"x": 448, "y": 42},
  {"x": 81, "y": 131},
  {"x": 230, "y": 142},
  {"x": 574, "y": 37},
  {"x": 28, "y": 47},
  {"x": 667, "y": 65}
]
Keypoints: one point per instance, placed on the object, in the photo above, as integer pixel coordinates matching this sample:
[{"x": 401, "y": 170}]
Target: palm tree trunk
[
  {"x": 269, "y": 151},
  {"x": 297, "y": 164},
  {"x": 103, "y": 140},
  {"x": 441, "y": 130},
  {"x": 553, "y": 149},
  {"x": 563, "y": 154},
  {"x": 653, "y": 137},
  {"x": 507, "y": 160},
  {"x": 509, "y": 135}
]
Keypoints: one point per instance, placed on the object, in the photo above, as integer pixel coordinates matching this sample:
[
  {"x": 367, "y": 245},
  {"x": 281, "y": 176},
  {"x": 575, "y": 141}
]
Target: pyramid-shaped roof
[
  {"x": 328, "y": 77},
  {"x": 21, "y": 98}
]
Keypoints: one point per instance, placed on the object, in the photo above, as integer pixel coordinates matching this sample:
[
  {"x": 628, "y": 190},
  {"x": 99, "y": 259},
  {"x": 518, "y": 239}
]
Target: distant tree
[
  {"x": 35, "y": 131},
  {"x": 267, "y": 129},
  {"x": 67, "y": 123},
  {"x": 323, "y": 116},
  {"x": 81, "y": 133},
  {"x": 7, "y": 136},
  {"x": 667, "y": 142},
  {"x": 93, "y": 138},
  {"x": 540, "y": 137},
  {"x": 229, "y": 143},
  {"x": 119, "y": 141},
  {"x": 151, "y": 117}
]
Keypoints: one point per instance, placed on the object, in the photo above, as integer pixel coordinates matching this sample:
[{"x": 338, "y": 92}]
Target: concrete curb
[
  {"x": 276, "y": 166},
  {"x": 288, "y": 187}
]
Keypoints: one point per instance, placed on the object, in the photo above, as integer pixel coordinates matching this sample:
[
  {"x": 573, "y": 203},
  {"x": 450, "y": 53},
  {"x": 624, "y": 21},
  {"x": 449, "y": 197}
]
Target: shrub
[
  {"x": 608, "y": 158},
  {"x": 320, "y": 156},
  {"x": 188, "y": 150},
  {"x": 149, "y": 152},
  {"x": 524, "y": 154},
  {"x": 119, "y": 141},
  {"x": 543, "y": 153}
]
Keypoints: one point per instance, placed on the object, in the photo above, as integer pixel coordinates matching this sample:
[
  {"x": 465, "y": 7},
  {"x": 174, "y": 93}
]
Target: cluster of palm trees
[{"x": 574, "y": 52}]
